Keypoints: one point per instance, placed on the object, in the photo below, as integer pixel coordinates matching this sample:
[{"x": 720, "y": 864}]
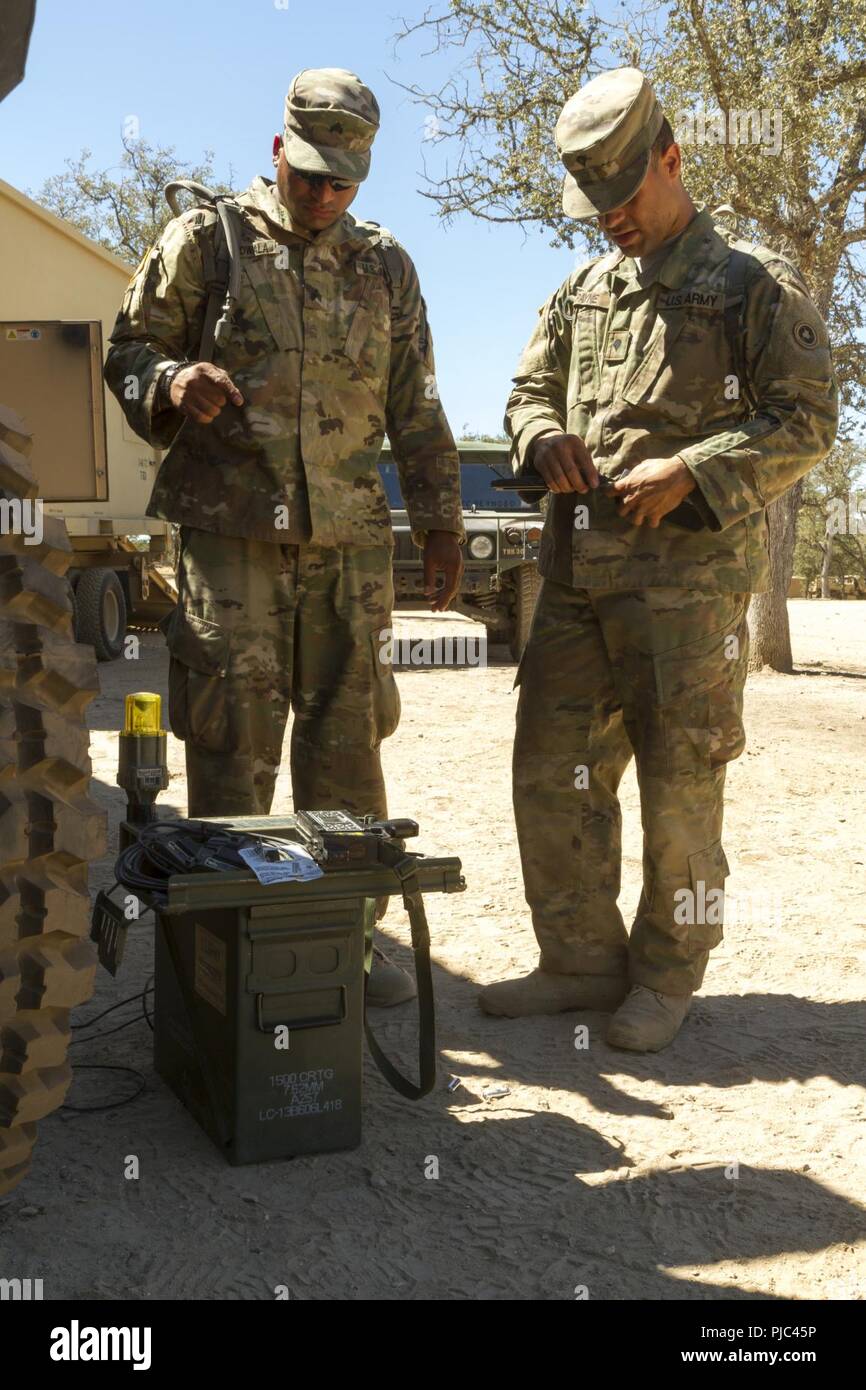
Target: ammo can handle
[{"x": 323, "y": 1020}]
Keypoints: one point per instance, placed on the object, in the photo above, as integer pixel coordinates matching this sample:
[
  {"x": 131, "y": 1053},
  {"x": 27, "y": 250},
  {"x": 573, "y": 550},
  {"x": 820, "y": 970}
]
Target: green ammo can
[{"x": 259, "y": 999}]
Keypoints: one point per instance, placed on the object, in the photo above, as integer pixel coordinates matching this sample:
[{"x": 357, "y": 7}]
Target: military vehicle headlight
[{"x": 481, "y": 547}]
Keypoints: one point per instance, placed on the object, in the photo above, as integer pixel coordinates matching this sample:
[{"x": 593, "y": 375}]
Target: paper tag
[
  {"x": 296, "y": 866},
  {"x": 211, "y": 968}
]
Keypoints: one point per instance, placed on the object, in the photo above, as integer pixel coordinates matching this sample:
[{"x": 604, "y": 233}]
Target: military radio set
[{"x": 263, "y": 937}]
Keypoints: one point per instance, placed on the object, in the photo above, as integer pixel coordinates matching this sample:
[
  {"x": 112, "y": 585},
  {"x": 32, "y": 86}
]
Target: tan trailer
[{"x": 56, "y": 311}]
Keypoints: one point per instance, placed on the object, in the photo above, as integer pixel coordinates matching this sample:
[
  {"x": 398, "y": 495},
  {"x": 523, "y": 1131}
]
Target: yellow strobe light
[{"x": 142, "y": 714}]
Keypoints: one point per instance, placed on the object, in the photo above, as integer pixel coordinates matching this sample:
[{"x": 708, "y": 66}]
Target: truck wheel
[
  {"x": 100, "y": 613},
  {"x": 50, "y": 828},
  {"x": 527, "y": 587}
]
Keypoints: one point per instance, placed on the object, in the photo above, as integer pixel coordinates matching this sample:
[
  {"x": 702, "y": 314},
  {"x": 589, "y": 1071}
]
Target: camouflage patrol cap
[
  {"x": 604, "y": 135},
  {"x": 331, "y": 119}
]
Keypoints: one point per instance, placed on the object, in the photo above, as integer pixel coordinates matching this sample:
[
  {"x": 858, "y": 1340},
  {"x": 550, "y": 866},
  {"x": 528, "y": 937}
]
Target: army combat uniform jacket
[
  {"x": 648, "y": 370},
  {"x": 329, "y": 352}
]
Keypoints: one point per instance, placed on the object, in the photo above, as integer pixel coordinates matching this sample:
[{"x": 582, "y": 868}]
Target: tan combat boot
[
  {"x": 542, "y": 992},
  {"x": 648, "y": 1021},
  {"x": 389, "y": 984}
]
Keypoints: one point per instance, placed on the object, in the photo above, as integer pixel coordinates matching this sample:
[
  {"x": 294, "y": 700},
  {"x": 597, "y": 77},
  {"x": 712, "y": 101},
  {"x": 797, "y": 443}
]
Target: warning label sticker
[
  {"x": 23, "y": 335},
  {"x": 209, "y": 979}
]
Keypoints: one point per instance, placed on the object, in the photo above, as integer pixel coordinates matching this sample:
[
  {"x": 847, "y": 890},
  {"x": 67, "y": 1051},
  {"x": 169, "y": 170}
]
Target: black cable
[
  {"x": 147, "y": 1018},
  {"x": 104, "y": 1066},
  {"x": 130, "y": 999},
  {"x": 112, "y": 1105},
  {"x": 165, "y": 848},
  {"x": 108, "y": 1031}
]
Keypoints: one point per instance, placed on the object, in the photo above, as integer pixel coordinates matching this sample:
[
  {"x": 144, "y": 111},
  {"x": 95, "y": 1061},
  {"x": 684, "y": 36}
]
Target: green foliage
[
  {"x": 801, "y": 62},
  {"x": 124, "y": 209},
  {"x": 475, "y": 437}
]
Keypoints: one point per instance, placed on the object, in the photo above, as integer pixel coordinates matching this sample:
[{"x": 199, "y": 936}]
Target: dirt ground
[{"x": 729, "y": 1166}]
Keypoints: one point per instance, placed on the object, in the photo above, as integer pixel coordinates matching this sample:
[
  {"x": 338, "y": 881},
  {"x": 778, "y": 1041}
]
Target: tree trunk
[
  {"x": 768, "y": 616},
  {"x": 826, "y": 556}
]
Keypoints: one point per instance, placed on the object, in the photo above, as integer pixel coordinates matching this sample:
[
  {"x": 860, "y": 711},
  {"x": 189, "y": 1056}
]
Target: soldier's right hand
[
  {"x": 201, "y": 390},
  {"x": 564, "y": 463}
]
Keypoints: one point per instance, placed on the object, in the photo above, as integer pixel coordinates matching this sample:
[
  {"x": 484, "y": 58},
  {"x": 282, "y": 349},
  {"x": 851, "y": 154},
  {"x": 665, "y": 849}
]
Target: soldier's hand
[
  {"x": 442, "y": 553},
  {"x": 201, "y": 390},
  {"x": 564, "y": 463},
  {"x": 652, "y": 489}
]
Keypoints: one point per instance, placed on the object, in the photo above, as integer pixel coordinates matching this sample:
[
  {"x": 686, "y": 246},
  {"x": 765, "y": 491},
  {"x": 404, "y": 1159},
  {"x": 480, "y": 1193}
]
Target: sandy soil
[{"x": 729, "y": 1166}]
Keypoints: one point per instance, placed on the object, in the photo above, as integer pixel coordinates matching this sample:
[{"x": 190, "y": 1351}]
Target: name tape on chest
[
  {"x": 262, "y": 246},
  {"x": 587, "y": 299}
]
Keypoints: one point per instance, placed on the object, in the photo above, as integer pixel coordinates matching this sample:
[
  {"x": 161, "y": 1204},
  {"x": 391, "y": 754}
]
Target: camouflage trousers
[
  {"x": 259, "y": 629},
  {"x": 607, "y": 674}
]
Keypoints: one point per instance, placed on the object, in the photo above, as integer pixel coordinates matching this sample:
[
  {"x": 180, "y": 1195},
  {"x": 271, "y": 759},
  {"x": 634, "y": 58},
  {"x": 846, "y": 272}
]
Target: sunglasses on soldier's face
[{"x": 317, "y": 181}]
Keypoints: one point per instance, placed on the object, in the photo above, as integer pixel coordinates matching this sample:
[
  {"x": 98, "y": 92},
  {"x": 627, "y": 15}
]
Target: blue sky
[{"x": 212, "y": 74}]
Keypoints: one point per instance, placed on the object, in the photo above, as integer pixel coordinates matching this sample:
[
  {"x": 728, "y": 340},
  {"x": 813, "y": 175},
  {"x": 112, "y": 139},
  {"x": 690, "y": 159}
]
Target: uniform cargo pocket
[
  {"x": 385, "y": 696},
  {"x": 726, "y": 735},
  {"x": 276, "y": 298},
  {"x": 708, "y": 870},
  {"x": 700, "y": 665},
  {"x": 197, "y": 692},
  {"x": 663, "y": 375},
  {"x": 589, "y": 326},
  {"x": 368, "y": 341},
  {"x": 699, "y": 696}
]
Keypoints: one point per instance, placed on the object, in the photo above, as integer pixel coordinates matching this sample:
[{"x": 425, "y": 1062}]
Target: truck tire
[
  {"x": 100, "y": 613},
  {"x": 527, "y": 587},
  {"x": 50, "y": 829}
]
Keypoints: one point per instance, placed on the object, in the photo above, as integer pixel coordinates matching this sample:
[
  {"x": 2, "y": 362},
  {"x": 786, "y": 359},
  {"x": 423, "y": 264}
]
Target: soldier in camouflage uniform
[
  {"x": 284, "y": 574},
  {"x": 698, "y": 364}
]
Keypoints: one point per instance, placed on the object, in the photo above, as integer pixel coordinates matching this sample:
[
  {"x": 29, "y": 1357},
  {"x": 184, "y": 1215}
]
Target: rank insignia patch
[{"x": 617, "y": 347}]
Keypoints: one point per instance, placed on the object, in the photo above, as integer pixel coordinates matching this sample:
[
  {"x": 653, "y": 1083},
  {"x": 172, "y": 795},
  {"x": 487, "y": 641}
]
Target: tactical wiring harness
[{"x": 172, "y": 847}]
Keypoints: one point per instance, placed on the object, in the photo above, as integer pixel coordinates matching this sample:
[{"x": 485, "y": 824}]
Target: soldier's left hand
[
  {"x": 652, "y": 489},
  {"x": 442, "y": 553}
]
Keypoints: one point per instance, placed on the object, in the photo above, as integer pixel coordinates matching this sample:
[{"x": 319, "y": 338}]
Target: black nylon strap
[
  {"x": 220, "y": 273},
  {"x": 216, "y": 271},
  {"x": 735, "y": 319},
  {"x": 413, "y": 900}
]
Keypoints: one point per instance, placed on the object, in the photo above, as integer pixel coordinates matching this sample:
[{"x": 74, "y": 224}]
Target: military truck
[
  {"x": 500, "y": 583},
  {"x": 56, "y": 312}
]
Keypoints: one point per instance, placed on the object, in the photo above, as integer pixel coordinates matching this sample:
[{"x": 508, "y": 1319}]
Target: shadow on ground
[{"x": 527, "y": 1203}]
